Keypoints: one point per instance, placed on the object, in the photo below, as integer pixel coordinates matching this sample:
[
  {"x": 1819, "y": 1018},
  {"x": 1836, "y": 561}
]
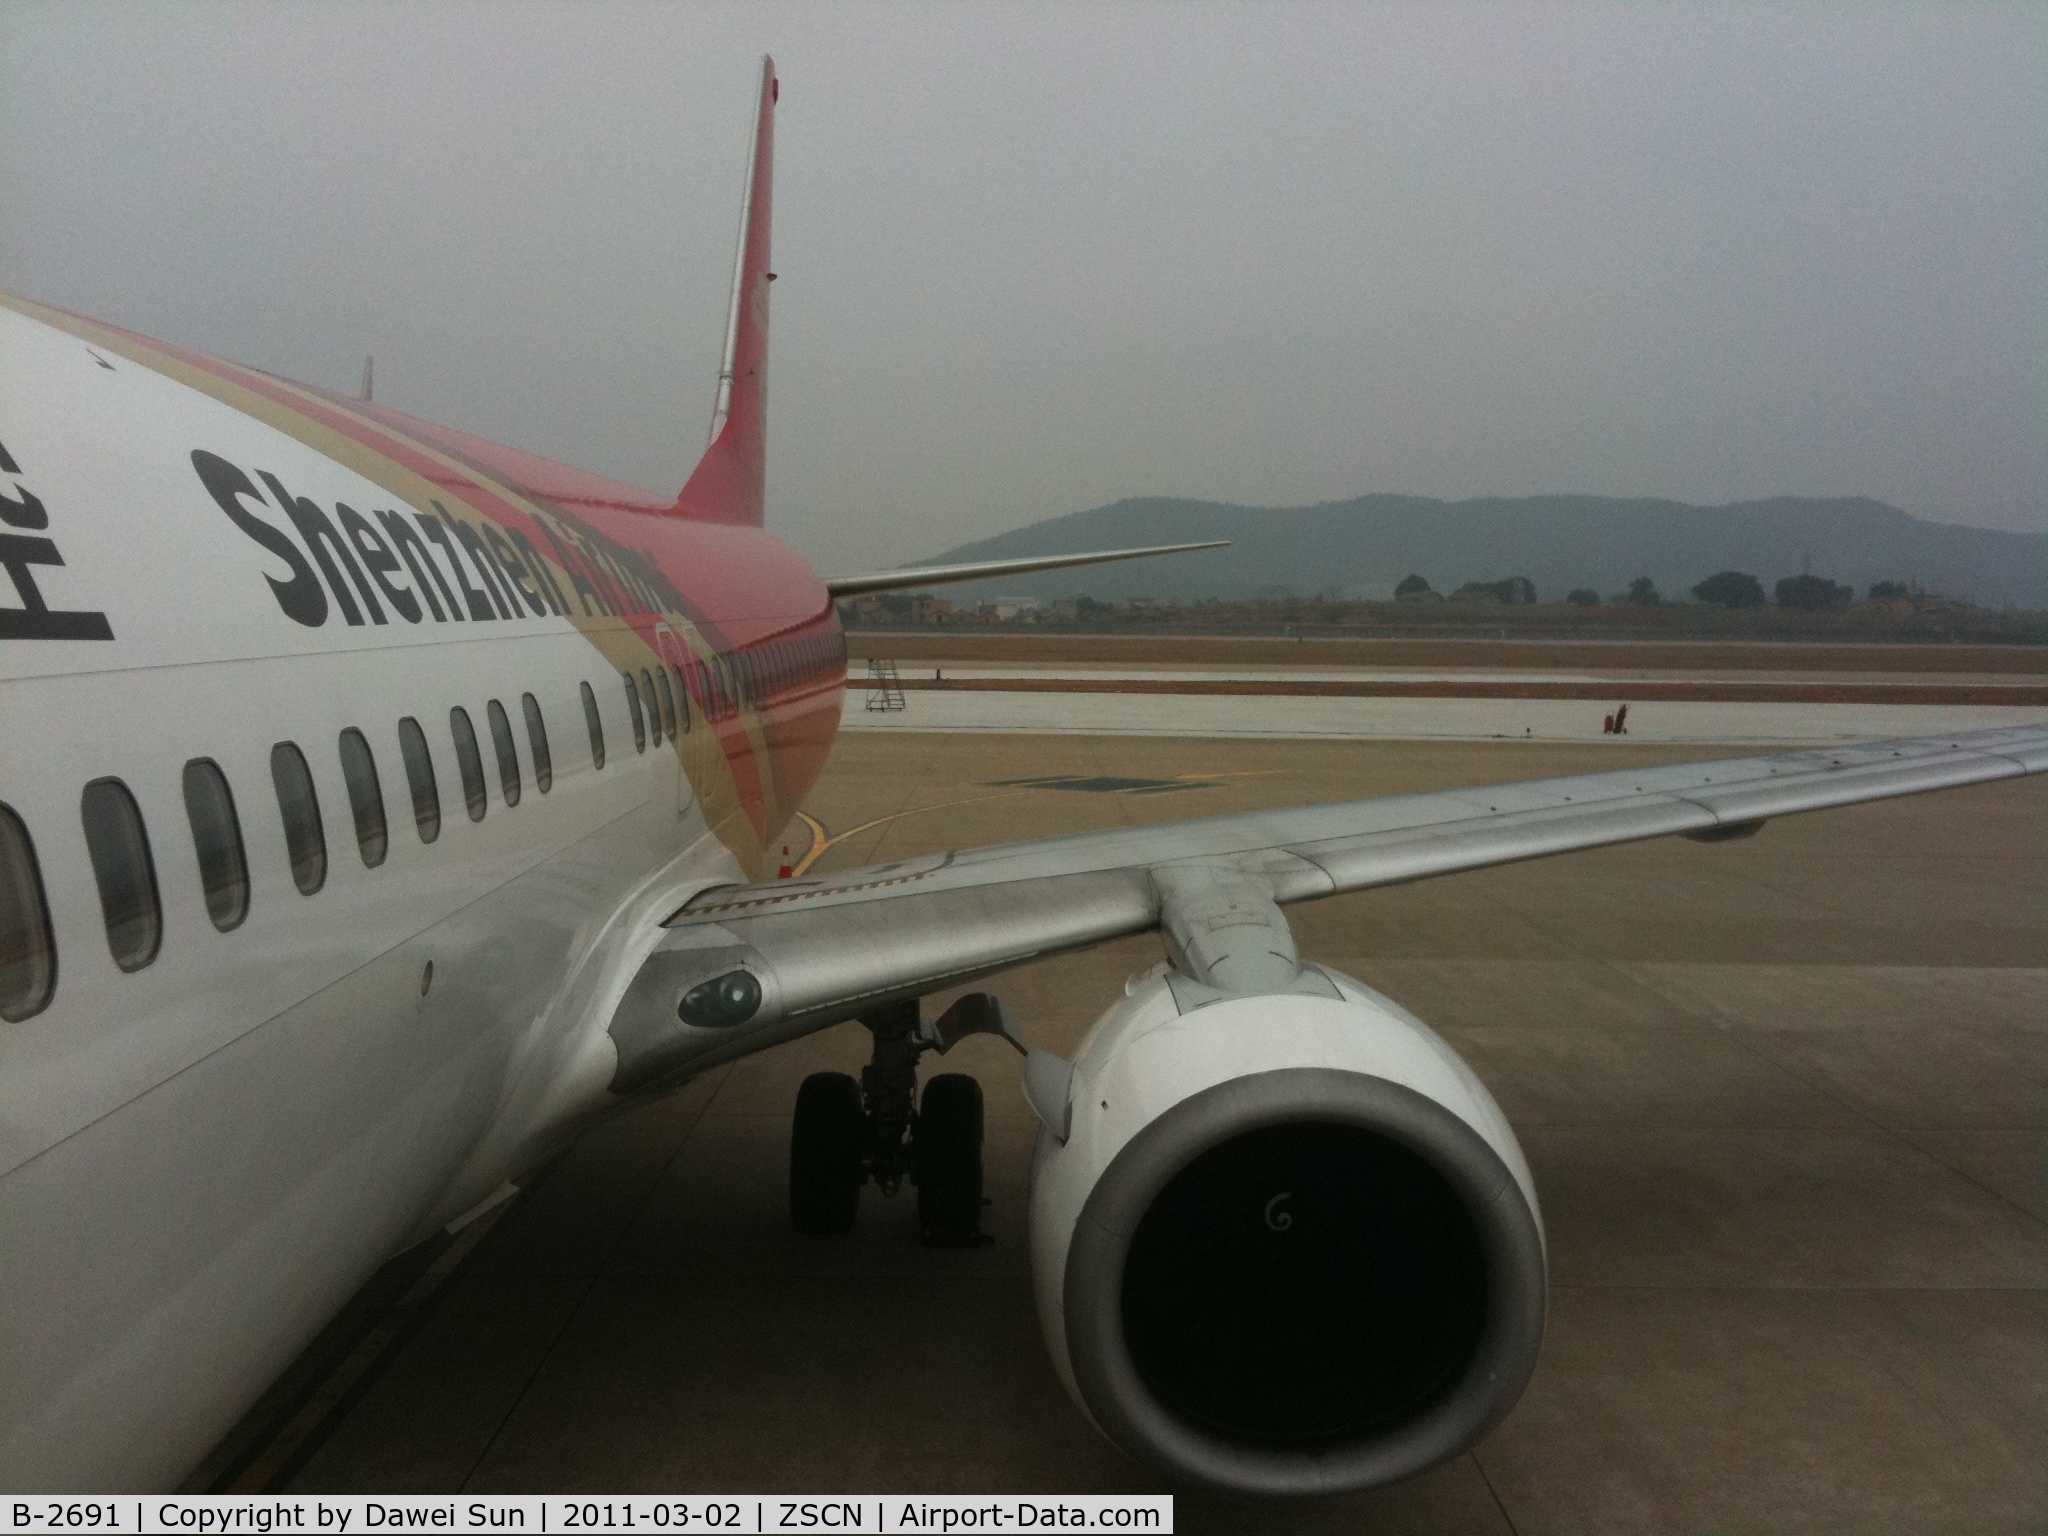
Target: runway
[{"x": 1785, "y": 1100}]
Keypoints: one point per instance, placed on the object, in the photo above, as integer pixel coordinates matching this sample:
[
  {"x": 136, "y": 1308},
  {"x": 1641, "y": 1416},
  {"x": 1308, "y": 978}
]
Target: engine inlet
[
  {"x": 1303, "y": 1280},
  {"x": 1304, "y": 1284}
]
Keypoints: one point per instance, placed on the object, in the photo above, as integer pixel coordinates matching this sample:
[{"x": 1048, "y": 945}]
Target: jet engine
[{"x": 1283, "y": 1243}]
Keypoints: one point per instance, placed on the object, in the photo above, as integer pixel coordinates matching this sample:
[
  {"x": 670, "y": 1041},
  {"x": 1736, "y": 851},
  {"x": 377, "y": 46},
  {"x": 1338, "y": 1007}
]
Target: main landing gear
[{"x": 846, "y": 1132}]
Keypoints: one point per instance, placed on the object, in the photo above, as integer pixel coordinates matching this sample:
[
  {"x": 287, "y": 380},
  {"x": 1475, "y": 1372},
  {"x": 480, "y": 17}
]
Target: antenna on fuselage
[{"x": 369, "y": 375}]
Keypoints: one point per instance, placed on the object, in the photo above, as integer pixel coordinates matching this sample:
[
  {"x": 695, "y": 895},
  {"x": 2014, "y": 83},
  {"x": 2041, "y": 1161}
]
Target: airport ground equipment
[{"x": 885, "y": 687}]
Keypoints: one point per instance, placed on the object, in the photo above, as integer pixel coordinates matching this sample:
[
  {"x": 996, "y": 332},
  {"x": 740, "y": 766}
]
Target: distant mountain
[{"x": 1559, "y": 542}]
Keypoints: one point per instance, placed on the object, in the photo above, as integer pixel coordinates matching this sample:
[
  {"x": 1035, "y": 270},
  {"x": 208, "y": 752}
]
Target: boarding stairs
[{"x": 885, "y": 688}]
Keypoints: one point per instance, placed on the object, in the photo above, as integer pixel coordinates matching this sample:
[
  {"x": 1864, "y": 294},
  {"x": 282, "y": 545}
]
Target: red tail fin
[{"x": 726, "y": 486}]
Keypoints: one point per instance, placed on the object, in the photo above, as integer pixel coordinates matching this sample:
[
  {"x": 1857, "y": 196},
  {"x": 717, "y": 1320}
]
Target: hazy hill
[{"x": 1559, "y": 542}]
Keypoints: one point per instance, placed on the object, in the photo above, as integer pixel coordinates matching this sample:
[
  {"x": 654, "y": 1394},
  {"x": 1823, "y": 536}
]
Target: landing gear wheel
[
  {"x": 949, "y": 1162},
  {"x": 825, "y": 1143}
]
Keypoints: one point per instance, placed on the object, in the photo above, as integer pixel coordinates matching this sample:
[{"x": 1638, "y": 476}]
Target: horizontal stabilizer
[{"x": 975, "y": 570}]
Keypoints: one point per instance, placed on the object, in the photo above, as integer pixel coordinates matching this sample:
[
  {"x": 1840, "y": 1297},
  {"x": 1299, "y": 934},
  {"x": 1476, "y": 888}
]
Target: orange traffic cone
[{"x": 785, "y": 872}]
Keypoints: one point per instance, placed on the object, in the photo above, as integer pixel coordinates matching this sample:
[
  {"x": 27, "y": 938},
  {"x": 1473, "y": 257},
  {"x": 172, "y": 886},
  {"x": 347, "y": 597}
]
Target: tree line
[{"x": 1723, "y": 589}]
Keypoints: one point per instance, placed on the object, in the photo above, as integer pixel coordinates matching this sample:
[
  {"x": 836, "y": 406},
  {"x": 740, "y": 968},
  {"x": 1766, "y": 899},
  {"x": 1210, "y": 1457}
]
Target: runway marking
[{"x": 821, "y": 840}]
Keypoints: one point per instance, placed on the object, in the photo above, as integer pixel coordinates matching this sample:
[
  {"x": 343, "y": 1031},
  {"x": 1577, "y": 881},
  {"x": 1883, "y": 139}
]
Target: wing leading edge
[{"x": 825, "y": 949}]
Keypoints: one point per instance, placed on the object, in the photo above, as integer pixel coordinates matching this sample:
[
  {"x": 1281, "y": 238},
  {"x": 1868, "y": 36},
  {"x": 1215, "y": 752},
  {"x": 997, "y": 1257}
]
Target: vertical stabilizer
[{"x": 726, "y": 486}]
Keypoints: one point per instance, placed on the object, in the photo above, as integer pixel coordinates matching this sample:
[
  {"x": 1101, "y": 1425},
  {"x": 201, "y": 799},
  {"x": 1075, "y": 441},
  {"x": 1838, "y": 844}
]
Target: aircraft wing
[
  {"x": 910, "y": 577},
  {"x": 796, "y": 955}
]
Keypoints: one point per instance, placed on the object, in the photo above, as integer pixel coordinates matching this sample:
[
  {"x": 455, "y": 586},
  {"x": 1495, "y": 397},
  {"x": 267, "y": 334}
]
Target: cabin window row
[
  {"x": 124, "y": 868},
  {"x": 658, "y": 703},
  {"x": 660, "y": 700},
  {"x": 721, "y": 684}
]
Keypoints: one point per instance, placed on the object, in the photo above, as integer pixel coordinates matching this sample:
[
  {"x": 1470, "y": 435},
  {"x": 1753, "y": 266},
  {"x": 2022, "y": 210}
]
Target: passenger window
[
  {"x": 419, "y": 776},
  {"x": 124, "y": 871},
  {"x": 217, "y": 839},
  {"x": 682, "y": 700},
  {"x": 28, "y": 955},
  {"x": 469, "y": 761},
  {"x": 537, "y": 744},
  {"x": 668, "y": 700},
  {"x": 592, "y": 719},
  {"x": 126, "y": 874},
  {"x": 633, "y": 708},
  {"x": 508, "y": 752},
  {"x": 300, "y": 808},
  {"x": 365, "y": 796},
  {"x": 653, "y": 707}
]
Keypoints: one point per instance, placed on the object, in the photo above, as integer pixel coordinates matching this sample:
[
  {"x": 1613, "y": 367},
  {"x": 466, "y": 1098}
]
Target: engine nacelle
[{"x": 1288, "y": 1244}]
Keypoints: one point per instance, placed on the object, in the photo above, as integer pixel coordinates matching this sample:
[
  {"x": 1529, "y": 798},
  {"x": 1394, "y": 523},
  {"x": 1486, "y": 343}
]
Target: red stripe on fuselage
[{"x": 740, "y": 585}]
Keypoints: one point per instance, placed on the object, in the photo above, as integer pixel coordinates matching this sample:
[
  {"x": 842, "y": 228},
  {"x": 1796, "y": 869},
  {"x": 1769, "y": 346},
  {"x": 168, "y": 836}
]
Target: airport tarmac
[
  {"x": 1195, "y": 671},
  {"x": 1785, "y": 1100},
  {"x": 1766, "y": 724}
]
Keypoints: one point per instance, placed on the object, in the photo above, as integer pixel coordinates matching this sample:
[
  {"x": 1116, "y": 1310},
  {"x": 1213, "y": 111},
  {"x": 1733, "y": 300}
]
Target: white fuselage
[{"x": 201, "y": 1158}]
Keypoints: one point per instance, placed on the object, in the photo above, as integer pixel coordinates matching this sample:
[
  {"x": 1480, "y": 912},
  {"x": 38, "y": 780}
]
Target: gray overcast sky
[{"x": 1039, "y": 257}]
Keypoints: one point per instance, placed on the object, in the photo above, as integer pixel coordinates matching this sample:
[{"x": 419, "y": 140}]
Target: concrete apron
[{"x": 1302, "y": 718}]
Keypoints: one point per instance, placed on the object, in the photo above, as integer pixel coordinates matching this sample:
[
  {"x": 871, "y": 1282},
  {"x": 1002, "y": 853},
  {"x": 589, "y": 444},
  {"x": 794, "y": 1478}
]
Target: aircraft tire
[
  {"x": 825, "y": 1142},
  {"x": 949, "y": 1161}
]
